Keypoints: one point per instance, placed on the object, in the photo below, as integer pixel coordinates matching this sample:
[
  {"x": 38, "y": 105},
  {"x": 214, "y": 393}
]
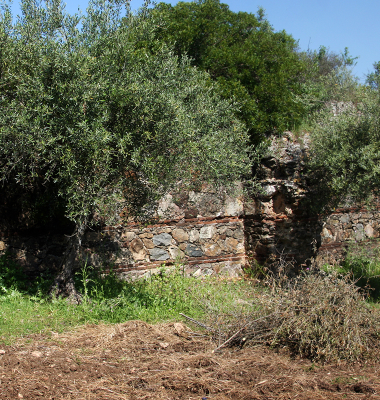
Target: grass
[
  {"x": 364, "y": 269},
  {"x": 320, "y": 317},
  {"x": 26, "y": 309}
]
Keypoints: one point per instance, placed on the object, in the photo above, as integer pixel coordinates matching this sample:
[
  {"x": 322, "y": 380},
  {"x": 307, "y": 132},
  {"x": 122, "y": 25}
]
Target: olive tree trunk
[{"x": 63, "y": 285}]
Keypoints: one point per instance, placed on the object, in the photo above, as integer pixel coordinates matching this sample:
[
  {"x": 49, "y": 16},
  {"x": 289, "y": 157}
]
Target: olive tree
[
  {"x": 344, "y": 156},
  {"x": 91, "y": 113}
]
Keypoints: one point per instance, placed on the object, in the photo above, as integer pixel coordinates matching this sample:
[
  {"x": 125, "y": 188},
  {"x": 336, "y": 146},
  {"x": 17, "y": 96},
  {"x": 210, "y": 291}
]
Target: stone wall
[
  {"x": 202, "y": 230},
  {"x": 211, "y": 232},
  {"x": 352, "y": 229},
  {"x": 278, "y": 222}
]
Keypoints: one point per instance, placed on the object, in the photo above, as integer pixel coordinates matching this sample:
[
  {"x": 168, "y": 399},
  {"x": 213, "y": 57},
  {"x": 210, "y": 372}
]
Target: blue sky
[{"x": 335, "y": 24}]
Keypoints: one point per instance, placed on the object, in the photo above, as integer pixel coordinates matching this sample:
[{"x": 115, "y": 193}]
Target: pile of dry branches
[{"x": 314, "y": 316}]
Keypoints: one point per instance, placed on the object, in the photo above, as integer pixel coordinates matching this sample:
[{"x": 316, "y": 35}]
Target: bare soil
[{"x": 135, "y": 360}]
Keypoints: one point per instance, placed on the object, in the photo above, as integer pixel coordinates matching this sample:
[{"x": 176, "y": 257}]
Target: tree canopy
[
  {"x": 251, "y": 62},
  {"x": 100, "y": 119}
]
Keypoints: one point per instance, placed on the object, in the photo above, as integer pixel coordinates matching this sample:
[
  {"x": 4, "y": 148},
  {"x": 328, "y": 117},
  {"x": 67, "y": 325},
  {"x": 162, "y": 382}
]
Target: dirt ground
[{"x": 135, "y": 360}]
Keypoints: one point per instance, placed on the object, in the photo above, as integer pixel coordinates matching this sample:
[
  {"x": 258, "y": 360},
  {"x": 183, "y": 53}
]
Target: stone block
[
  {"x": 148, "y": 243},
  {"x": 233, "y": 207},
  {"x": 180, "y": 235},
  {"x": 128, "y": 236},
  {"x": 158, "y": 254},
  {"x": 368, "y": 231},
  {"x": 212, "y": 249},
  {"x": 194, "y": 251},
  {"x": 207, "y": 232},
  {"x": 232, "y": 244},
  {"x": 194, "y": 235},
  {"x": 137, "y": 249},
  {"x": 176, "y": 254},
  {"x": 163, "y": 239},
  {"x": 146, "y": 235}
]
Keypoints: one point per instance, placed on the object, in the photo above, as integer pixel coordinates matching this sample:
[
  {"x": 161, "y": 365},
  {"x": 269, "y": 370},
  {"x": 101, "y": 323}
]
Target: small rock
[
  {"x": 37, "y": 354},
  {"x": 164, "y": 345},
  {"x": 2, "y": 351},
  {"x": 179, "y": 328},
  {"x": 163, "y": 239}
]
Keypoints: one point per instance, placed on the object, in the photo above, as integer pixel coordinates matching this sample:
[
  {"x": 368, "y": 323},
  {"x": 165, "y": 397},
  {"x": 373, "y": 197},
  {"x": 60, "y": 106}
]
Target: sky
[{"x": 335, "y": 24}]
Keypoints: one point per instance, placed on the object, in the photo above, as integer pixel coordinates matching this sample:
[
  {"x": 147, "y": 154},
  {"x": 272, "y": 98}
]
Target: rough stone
[
  {"x": 146, "y": 235},
  {"x": 2, "y": 246},
  {"x": 359, "y": 235},
  {"x": 268, "y": 191},
  {"x": 163, "y": 239},
  {"x": 129, "y": 236},
  {"x": 233, "y": 207},
  {"x": 326, "y": 233},
  {"x": 183, "y": 246},
  {"x": 239, "y": 234},
  {"x": 212, "y": 249},
  {"x": 137, "y": 249},
  {"x": 193, "y": 250},
  {"x": 180, "y": 235},
  {"x": 229, "y": 232},
  {"x": 191, "y": 213},
  {"x": 148, "y": 243},
  {"x": 176, "y": 254},
  {"x": 207, "y": 232},
  {"x": 194, "y": 235},
  {"x": 369, "y": 231},
  {"x": 232, "y": 244},
  {"x": 158, "y": 254}
]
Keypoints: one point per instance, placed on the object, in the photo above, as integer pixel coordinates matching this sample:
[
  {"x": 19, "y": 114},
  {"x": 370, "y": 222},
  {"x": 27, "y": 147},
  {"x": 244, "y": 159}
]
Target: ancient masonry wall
[
  {"x": 201, "y": 231},
  {"x": 210, "y": 232}
]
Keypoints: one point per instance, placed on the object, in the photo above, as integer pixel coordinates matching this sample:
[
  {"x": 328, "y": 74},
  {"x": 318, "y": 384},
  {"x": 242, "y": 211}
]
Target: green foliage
[
  {"x": 101, "y": 121},
  {"x": 345, "y": 151},
  {"x": 373, "y": 78},
  {"x": 251, "y": 62},
  {"x": 364, "y": 268},
  {"x": 161, "y": 296},
  {"x": 327, "y": 78},
  {"x": 11, "y": 275}
]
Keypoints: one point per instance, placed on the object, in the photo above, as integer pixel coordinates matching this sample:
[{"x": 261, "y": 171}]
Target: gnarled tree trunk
[{"x": 63, "y": 285}]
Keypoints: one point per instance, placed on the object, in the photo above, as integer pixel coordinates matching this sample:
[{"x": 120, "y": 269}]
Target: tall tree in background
[
  {"x": 327, "y": 78},
  {"x": 373, "y": 78},
  {"x": 95, "y": 117},
  {"x": 251, "y": 62}
]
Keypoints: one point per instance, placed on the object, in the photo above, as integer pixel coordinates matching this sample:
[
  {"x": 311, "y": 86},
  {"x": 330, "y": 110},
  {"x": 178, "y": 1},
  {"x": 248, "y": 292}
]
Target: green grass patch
[
  {"x": 26, "y": 309},
  {"x": 364, "y": 269}
]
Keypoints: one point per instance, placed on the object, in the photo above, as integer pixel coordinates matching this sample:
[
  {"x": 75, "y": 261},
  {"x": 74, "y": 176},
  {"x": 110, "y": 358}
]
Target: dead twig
[{"x": 198, "y": 323}]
